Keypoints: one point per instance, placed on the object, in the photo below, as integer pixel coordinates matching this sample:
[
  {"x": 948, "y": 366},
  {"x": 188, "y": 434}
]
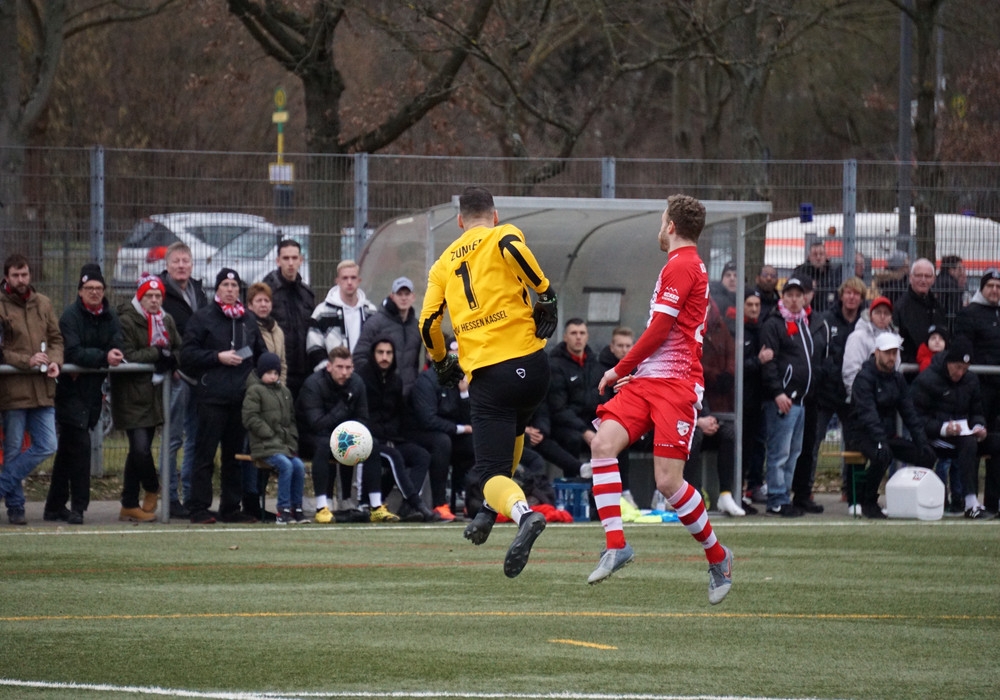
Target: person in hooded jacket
[
  {"x": 220, "y": 348},
  {"x": 407, "y": 461},
  {"x": 92, "y": 335},
  {"x": 873, "y": 322},
  {"x": 339, "y": 318},
  {"x": 268, "y": 414},
  {"x": 149, "y": 336},
  {"x": 396, "y": 321},
  {"x": 948, "y": 399}
]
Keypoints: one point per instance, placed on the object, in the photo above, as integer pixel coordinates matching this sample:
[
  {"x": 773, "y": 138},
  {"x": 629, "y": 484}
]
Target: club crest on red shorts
[{"x": 683, "y": 427}]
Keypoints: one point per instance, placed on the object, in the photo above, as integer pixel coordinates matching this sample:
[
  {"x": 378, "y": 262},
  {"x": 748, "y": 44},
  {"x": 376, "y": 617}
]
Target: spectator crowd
[{"x": 268, "y": 372}]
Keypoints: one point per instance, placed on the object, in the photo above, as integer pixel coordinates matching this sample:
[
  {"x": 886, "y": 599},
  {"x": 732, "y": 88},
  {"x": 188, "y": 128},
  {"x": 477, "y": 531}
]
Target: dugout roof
[{"x": 600, "y": 255}]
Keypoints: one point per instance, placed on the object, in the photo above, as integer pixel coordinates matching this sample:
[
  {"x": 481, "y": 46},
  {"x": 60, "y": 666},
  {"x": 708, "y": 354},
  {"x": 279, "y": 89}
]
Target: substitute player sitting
[
  {"x": 664, "y": 394},
  {"x": 483, "y": 279}
]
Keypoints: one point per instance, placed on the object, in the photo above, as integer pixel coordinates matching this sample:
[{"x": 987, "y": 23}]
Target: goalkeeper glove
[
  {"x": 545, "y": 314},
  {"x": 449, "y": 372}
]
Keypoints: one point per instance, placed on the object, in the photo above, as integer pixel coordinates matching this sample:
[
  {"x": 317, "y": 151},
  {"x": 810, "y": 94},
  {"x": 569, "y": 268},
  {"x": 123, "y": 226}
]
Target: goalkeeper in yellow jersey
[{"x": 482, "y": 280}]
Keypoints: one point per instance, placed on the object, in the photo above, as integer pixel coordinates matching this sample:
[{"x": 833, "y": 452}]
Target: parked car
[
  {"x": 204, "y": 232},
  {"x": 254, "y": 254}
]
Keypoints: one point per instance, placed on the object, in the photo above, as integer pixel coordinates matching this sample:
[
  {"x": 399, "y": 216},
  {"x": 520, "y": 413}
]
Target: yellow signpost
[{"x": 280, "y": 172}]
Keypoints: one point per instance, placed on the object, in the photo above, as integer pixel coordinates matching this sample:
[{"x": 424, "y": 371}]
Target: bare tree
[{"x": 32, "y": 35}]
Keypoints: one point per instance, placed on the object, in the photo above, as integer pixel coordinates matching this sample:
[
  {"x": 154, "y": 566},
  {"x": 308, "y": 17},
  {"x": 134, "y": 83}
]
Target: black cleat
[
  {"x": 479, "y": 529},
  {"x": 517, "y": 555}
]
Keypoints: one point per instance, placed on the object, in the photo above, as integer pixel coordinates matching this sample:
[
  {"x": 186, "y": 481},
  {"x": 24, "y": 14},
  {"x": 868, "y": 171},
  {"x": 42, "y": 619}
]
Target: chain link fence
[{"x": 71, "y": 206}]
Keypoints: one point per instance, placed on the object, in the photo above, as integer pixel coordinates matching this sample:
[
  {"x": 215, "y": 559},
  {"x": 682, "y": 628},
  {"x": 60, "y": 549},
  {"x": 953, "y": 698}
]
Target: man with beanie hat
[
  {"x": 221, "y": 344},
  {"x": 948, "y": 399},
  {"x": 30, "y": 341},
  {"x": 93, "y": 337},
  {"x": 980, "y": 323}
]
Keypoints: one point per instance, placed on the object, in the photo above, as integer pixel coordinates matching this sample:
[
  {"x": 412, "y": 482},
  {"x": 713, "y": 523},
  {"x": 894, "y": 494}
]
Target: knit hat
[
  {"x": 940, "y": 330},
  {"x": 268, "y": 362},
  {"x": 878, "y": 301},
  {"x": 959, "y": 351},
  {"x": 991, "y": 274},
  {"x": 91, "y": 272},
  {"x": 146, "y": 283},
  {"x": 227, "y": 273},
  {"x": 896, "y": 260}
]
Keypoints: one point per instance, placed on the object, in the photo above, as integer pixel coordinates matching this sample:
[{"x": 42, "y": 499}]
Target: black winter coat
[
  {"x": 387, "y": 324},
  {"x": 573, "y": 396},
  {"x": 88, "y": 338},
  {"x": 752, "y": 389},
  {"x": 385, "y": 398},
  {"x": 913, "y": 315},
  {"x": 939, "y": 400},
  {"x": 830, "y": 333},
  {"x": 876, "y": 398},
  {"x": 209, "y": 332},
  {"x": 323, "y": 404},
  {"x": 790, "y": 372},
  {"x": 436, "y": 408},
  {"x": 980, "y": 323},
  {"x": 175, "y": 304},
  {"x": 292, "y": 306}
]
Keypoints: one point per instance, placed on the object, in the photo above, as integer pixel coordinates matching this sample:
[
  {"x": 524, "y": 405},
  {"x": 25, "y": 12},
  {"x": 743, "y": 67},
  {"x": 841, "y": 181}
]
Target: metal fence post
[
  {"x": 97, "y": 205},
  {"x": 97, "y": 255},
  {"x": 360, "y": 203},
  {"x": 850, "y": 209},
  {"x": 608, "y": 178}
]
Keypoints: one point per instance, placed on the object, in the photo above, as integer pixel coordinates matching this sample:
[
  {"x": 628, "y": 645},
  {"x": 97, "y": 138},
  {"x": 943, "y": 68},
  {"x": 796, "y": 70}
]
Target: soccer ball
[{"x": 350, "y": 443}]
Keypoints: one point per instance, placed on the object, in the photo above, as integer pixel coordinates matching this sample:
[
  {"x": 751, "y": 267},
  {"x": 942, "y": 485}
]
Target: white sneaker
[
  {"x": 854, "y": 510},
  {"x": 728, "y": 505},
  {"x": 586, "y": 471}
]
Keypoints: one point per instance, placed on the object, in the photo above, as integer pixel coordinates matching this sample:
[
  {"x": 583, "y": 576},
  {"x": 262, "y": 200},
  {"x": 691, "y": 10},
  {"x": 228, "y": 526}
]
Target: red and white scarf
[
  {"x": 231, "y": 310},
  {"x": 157, "y": 335},
  {"x": 793, "y": 321}
]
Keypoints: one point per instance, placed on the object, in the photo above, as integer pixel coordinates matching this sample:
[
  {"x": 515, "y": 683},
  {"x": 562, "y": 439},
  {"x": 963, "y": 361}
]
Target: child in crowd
[
  {"x": 270, "y": 422},
  {"x": 937, "y": 341}
]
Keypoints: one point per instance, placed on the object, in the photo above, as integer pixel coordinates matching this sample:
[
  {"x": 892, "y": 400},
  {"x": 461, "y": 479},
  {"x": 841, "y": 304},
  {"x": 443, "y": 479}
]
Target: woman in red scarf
[{"x": 149, "y": 336}]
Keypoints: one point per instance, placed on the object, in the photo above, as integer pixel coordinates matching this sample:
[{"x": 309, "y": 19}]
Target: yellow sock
[
  {"x": 518, "y": 451},
  {"x": 502, "y": 493}
]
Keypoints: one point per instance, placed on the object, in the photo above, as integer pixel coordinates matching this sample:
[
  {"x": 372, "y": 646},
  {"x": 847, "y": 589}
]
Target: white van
[{"x": 974, "y": 239}]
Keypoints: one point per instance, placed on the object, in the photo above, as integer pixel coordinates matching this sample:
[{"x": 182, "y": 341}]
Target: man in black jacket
[
  {"x": 407, "y": 461},
  {"x": 329, "y": 397},
  {"x": 787, "y": 379},
  {"x": 918, "y": 309},
  {"x": 825, "y": 277},
  {"x": 182, "y": 296},
  {"x": 92, "y": 335},
  {"x": 946, "y": 396},
  {"x": 221, "y": 348},
  {"x": 980, "y": 323},
  {"x": 293, "y": 303},
  {"x": 573, "y": 399},
  {"x": 879, "y": 392},
  {"x": 829, "y": 333}
]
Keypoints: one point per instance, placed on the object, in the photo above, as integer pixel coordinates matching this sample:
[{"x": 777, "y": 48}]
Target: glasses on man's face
[{"x": 93, "y": 288}]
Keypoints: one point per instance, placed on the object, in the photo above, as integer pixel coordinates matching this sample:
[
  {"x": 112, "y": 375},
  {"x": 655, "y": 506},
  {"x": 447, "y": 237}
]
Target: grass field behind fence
[{"x": 849, "y": 609}]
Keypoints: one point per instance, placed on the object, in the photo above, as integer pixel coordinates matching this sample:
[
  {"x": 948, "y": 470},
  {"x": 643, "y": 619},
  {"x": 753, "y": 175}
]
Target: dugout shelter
[{"x": 600, "y": 255}]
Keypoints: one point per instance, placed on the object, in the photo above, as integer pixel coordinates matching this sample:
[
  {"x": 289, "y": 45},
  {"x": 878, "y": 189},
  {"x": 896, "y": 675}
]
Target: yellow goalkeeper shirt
[{"x": 482, "y": 279}]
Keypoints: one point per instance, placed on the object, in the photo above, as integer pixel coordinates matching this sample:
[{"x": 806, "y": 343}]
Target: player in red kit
[{"x": 664, "y": 394}]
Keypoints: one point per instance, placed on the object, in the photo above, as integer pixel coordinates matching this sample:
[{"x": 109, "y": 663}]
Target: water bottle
[{"x": 560, "y": 499}]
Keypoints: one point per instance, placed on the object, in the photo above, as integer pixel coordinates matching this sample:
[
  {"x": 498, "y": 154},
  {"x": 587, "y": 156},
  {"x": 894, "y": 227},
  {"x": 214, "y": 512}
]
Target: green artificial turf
[{"x": 858, "y": 609}]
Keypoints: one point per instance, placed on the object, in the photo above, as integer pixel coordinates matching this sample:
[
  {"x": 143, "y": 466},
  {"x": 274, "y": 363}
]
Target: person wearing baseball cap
[
  {"x": 879, "y": 393},
  {"x": 949, "y": 400},
  {"x": 396, "y": 321},
  {"x": 874, "y": 321}
]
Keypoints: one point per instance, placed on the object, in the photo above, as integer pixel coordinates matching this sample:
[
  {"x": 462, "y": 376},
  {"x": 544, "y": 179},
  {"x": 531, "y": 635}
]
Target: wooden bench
[{"x": 265, "y": 471}]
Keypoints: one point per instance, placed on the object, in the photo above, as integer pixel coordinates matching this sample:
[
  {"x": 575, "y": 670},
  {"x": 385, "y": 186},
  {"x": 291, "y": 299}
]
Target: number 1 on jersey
[{"x": 470, "y": 295}]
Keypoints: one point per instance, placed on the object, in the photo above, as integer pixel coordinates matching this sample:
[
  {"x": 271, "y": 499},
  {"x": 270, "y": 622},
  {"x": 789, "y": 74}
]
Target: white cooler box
[{"x": 914, "y": 492}]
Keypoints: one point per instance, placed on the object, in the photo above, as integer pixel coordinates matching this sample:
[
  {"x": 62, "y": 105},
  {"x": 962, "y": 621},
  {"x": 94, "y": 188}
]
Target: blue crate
[{"x": 573, "y": 497}]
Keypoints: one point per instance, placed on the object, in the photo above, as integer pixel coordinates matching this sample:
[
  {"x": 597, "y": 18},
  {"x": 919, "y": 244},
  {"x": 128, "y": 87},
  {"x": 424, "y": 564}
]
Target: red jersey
[{"x": 681, "y": 292}]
